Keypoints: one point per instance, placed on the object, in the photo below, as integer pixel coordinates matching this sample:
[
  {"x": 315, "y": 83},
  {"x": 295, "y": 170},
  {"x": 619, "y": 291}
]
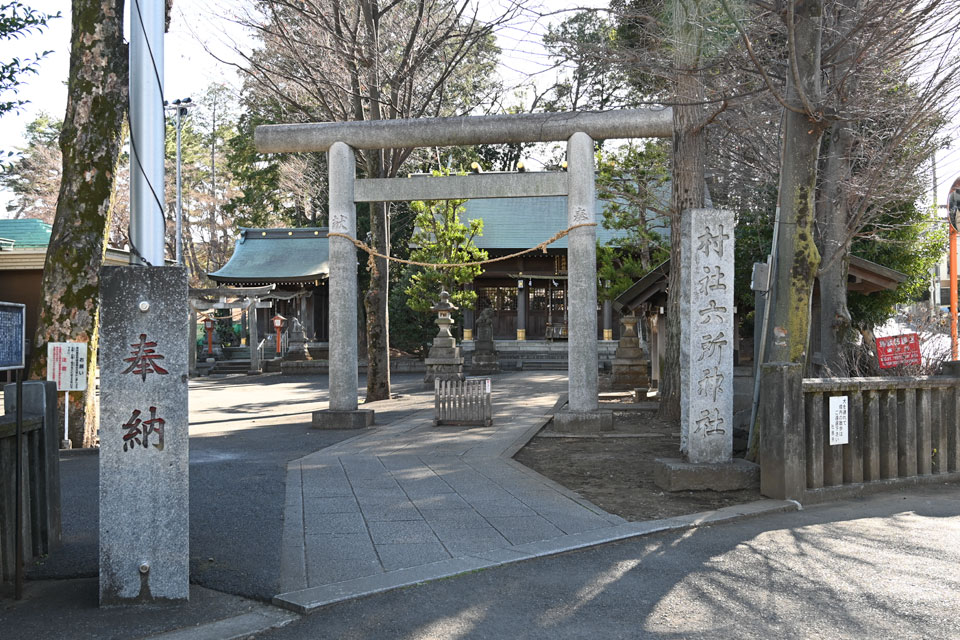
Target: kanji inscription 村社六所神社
[{"x": 706, "y": 367}]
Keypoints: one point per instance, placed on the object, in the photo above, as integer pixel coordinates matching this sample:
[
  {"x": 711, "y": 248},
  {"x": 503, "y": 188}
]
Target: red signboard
[{"x": 896, "y": 350}]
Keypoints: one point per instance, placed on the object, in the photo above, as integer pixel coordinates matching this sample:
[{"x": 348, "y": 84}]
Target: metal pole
[
  {"x": 179, "y": 238},
  {"x": 18, "y": 520},
  {"x": 66, "y": 416},
  {"x": 953, "y": 292},
  {"x": 146, "y": 133},
  {"x": 213, "y": 180}
]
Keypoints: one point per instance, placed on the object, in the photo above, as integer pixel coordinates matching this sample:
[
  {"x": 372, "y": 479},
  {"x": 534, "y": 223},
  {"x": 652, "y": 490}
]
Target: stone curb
[
  {"x": 262, "y": 618},
  {"x": 314, "y": 598},
  {"x": 78, "y": 453}
]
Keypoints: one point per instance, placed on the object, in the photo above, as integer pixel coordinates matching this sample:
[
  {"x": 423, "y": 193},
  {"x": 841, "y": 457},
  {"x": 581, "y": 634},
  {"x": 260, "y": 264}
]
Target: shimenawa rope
[{"x": 542, "y": 246}]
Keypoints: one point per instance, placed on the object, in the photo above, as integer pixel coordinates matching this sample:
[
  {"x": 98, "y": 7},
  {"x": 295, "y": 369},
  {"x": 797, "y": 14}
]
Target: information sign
[
  {"x": 13, "y": 327},
  {"x": 896, "y": 350},
  {"x": 67, "y": 365},
  {"x": 839, "y": 424}
]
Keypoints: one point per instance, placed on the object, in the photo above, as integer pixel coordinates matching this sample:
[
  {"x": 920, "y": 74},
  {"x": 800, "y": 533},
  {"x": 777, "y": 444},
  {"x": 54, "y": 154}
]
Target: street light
[{"x": 179, "y": 107}]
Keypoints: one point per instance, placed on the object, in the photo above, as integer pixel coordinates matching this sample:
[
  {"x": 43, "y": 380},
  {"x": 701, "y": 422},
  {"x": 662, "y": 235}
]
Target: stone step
[{"x": 231, "y": 366}]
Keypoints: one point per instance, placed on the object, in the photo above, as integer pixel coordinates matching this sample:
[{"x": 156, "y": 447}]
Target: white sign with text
[
  {"x": 839, "y": 423},
  {"x": 67, "y": 365}
]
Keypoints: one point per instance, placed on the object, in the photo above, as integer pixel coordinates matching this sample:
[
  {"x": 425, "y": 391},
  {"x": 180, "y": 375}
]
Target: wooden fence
[
  {"x": 41, "y": 477},
  {"x": 463, "y": 402},
  {"x": 901, "y": 430}
]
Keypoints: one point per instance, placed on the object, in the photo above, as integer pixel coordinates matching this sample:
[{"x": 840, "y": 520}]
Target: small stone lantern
[
  {"x": 443, "y": 310},
  {"x": 630, "y": 360},
  {"x": 444, "y": 361}
]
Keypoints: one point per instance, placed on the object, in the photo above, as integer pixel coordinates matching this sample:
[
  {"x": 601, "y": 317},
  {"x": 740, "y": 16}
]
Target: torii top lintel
[{"x": 465, "y": 130}]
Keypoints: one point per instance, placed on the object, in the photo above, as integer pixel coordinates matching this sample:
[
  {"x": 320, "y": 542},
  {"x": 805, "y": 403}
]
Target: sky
[
  {"x": 199, "y": 27},
  {"x": 198, "y": 32}
]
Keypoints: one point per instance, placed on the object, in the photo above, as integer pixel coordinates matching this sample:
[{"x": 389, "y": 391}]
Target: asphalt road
[
  {"x": 243, "y": 431},
  {"x": 876, "y": 568}
]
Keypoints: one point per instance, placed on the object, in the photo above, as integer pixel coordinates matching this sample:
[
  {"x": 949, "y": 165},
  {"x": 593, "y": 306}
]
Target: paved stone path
[
  {"x": 408, "y": 502},
  {"x": 410, "y": 494}
]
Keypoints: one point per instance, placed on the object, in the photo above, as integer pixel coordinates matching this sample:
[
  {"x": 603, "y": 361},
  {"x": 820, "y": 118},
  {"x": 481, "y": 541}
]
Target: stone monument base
[
  {"x": 339, "y": 419},
  {"x": 297, "y": 352},
  {"x": 443, "y": 369},
  {"x": 629, "y": 374},
  {"x": 673, "y": 474},
  {"x": 484, "y": 364},
  {"x": 583, "y": 421}
]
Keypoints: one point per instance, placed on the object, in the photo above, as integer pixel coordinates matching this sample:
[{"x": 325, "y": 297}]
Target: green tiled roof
[
  {"x": 520, "y": 223},
  {"x": 27, "y": 233},
  {"x": 277, "y": 255}
]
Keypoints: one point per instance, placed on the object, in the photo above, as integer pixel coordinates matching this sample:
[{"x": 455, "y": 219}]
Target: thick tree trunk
[
  {"x": 689, "y": 148},
  {"x": 797, "y": 256},
  {"x": 834, "y": 247},
  {"x": 90, "y": 142}
]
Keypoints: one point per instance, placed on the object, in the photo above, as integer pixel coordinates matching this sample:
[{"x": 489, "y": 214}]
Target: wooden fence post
[{"x": 781, "y": 423}]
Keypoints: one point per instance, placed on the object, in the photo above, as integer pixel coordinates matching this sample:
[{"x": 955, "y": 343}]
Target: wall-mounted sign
[
  {"x": 13, "y": 327},
  {"x": 896, "y": 350},
  {"x": 839, "y": 420}
]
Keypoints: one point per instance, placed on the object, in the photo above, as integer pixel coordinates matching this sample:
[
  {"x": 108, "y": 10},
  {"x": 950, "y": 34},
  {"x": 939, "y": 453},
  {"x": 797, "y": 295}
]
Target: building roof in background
[
  {"x": 645, "y": 288},
  {"x": 24, "y": 233},
  {"x": 277, "y": 255},
  {"x": 521, "y": 223}
]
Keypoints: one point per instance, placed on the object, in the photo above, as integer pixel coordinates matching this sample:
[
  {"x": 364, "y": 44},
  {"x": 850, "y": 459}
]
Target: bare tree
[
  {"x": 873, "y": 76},
  {"x": 331, "y": 60}
]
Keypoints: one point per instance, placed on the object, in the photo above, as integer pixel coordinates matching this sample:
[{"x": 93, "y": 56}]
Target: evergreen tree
[
  {"x": 632, "y": 180},
  {"x": 440, "y": 237}
]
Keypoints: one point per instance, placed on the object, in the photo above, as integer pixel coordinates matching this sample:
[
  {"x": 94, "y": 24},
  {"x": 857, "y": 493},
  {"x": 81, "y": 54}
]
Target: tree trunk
[
  {"x": 377, "y": 297},
  {"x": 834, "y": 246},
  {"x": 689, "y": 148},
  {"x": 90, "y": 143},
  {"x": 833, "y": 218},
  {"x": 797, "y": 256},
  {"x": 375, "y": 303}
]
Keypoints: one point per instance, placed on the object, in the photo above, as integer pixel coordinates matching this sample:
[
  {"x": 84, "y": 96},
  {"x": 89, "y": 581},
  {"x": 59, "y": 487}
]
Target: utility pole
[
  {"x": 180, "y": 107},
  {"x": 213, "y": 181},
  {"x": 147, "y": 136},
  {"x": 952, "y": 214}
]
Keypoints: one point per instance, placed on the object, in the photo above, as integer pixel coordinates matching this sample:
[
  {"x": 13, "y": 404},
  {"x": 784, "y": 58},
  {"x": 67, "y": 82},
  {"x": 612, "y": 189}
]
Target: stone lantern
[
  {"x": 630, "y": 360},
  {"x": 444, "y": 361}
]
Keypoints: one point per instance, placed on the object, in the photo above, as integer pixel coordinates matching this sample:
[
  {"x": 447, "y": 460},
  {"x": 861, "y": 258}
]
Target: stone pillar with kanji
[
  {"x": 144, "y": 439},
  {"x": 706, "y": 360},
  {"x": 706, "y": 355}
]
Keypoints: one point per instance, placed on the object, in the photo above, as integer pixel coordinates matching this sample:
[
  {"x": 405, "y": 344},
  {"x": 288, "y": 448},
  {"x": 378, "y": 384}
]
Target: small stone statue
[
  {"x": 485, "y": 358},
  {"x": 297, "y": 347},
  {"x": 485, "y": 326}
]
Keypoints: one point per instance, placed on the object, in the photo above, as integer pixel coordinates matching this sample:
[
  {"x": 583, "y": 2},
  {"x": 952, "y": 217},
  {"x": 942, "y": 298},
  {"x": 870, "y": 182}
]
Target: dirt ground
[{"x": 615, "y": 471}]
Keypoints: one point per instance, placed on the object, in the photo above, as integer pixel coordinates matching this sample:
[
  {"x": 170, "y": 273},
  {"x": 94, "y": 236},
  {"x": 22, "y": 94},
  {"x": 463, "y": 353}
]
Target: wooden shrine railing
[
  {"x": 463, "y": 402},
  {"x": 901, "y": 430}
]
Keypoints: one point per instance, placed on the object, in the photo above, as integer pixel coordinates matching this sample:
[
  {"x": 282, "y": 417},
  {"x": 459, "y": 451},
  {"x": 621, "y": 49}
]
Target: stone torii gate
[
  {"x": 249, "y": 299},
  {"x": 579, "y": 129}
]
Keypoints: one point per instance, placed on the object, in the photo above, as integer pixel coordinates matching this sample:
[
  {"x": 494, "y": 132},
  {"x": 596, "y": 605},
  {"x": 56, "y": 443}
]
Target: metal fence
[{"x": 463, "y": 402}]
